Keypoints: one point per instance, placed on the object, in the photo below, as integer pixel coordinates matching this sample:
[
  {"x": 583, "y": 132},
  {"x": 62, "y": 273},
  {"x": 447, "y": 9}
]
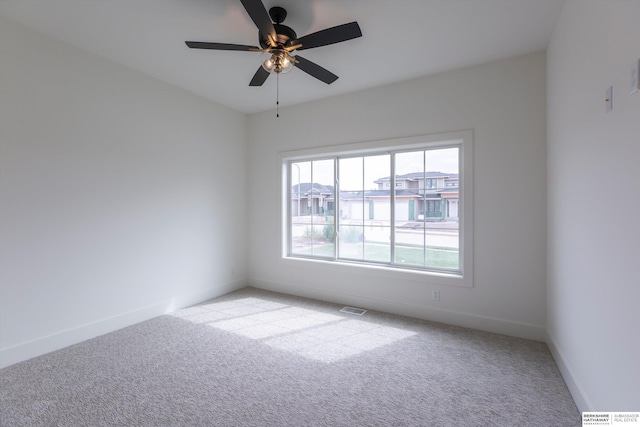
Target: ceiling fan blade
[
  {"x": 260, "y": 17},
  {"x": 329, "y": 36},
  {"x": 259, "y": 77},
  {"x": 222, "y": 46},
  {"x": 315, "y": 70}
]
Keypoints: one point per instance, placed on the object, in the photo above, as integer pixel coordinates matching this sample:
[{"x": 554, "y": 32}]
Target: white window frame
[{"x": 463, "y": 139}]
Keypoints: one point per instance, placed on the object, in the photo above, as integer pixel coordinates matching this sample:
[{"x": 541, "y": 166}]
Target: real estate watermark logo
[{"x": 611, "y": 419}]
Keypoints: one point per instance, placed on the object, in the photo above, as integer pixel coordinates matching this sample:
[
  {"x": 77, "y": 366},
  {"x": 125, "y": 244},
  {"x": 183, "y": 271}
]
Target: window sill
[{"x": 427, "y": 277}]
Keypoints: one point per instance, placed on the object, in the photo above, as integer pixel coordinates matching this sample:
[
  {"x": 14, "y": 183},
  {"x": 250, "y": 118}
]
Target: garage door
[{"x": 382, "y": 210}]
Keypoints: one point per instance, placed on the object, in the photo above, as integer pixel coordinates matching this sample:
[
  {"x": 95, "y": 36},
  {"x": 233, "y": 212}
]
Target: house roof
[
  {"x": 450, "y": 190},
  {"x": 419, "y": 175},
  {"x": 355, "y": 195},
  {"x": 307, "y": 187},
  {"x": 375, "y": 193}
]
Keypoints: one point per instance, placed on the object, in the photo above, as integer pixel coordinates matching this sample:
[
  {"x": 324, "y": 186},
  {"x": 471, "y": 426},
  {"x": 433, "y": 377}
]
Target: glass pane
[
  {"x": 377, "y": 233},
  {"x": 409, "y": 165},
  {"x": 300, "y": 184},
  {"x": 365, "y": 211},
  {"x": 353, "y": 209},
  {"x": 319, "y": 198},
  {"x": 351, "y": 177},
  {"x": 323, "y": 172},
  {"x": 426, "y": 208},
  {"x": 377, "y": 172},
  {"x": 300, "y": 173},
  {"x": 408, "y": 179},
  {"x": 323, "y": 239},
  {"x": 409, "y": 240},
  {"x": 312, "y": 202},
  {"x": 377, "y": 243},
  {"x": 409, "y": 231},
  {"x": 351, "y": 241},
  {"x": 442, "y": 231}
]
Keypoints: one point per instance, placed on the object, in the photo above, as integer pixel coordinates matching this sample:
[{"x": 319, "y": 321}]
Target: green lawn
[{"x": 405, "y": 255}]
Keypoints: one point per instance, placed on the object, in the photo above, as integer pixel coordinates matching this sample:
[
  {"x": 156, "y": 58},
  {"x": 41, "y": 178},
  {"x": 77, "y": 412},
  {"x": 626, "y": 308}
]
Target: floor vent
[{"x": 353, "y": 310}]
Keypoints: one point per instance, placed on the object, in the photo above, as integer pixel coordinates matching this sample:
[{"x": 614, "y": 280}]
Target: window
[
  {"x": 387, "y": 206},
  {"x": 433, "y": 206}
]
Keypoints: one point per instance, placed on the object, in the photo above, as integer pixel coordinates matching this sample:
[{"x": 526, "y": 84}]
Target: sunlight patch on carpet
[{"x": 316, "y": 335}]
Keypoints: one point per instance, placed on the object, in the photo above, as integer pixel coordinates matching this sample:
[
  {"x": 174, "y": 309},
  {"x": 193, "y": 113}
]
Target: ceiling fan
[{"x": 280, "y": 41}]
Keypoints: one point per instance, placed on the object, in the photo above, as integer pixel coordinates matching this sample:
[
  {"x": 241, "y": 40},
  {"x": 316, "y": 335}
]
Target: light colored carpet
[{"x": 255, "y": 358}]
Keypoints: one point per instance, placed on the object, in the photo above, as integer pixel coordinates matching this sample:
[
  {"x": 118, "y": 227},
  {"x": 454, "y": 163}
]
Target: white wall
[
  {"x": 113, "y": 206},
  {"x": 594, "y": 204},
  {"x": 504, "y": 104},
  {"x": 114, "y": 203}
]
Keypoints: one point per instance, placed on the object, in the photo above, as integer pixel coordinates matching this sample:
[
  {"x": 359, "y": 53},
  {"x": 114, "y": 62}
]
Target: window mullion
[
  {"x": 289, "y": 209},
  {"x": 461, "y": 202},
  {"x": 426, "y": 210},
  {"x": 310, "y": 208},
  {"x": 363, "y": 208},
  {"x": 336, "y": 207},
  {"x": 392, "y": 203}
]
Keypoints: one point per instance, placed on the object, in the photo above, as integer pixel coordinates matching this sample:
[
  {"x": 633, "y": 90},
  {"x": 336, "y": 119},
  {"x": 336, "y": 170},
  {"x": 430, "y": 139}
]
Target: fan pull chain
[{"x": 277, "y": 94}]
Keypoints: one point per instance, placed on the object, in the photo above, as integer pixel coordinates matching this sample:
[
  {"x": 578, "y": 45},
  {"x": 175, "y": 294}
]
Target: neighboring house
[
  {"x": 311, "y": 199},
  {"x": 430, "y": 196},
  {"x": 434, "y": 195}
]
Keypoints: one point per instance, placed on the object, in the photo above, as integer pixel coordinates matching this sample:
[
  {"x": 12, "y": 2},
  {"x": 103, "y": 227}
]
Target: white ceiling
[{"x": 402, "y": 39}]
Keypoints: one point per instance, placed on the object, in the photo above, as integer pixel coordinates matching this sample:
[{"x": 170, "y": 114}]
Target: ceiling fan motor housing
[
  {"x": 278, "y": 14},
  {"x": 283, "y": 35}
]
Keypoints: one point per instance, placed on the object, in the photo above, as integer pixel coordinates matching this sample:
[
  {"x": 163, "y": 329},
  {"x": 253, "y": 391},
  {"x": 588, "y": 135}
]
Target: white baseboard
[
  {"x": 484, "y": 323},
  {"x": 65, "y": 338},
  {"x": 576, "y": 390}
]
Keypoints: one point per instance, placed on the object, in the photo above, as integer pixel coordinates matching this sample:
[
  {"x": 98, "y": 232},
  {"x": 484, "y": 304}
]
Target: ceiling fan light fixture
[
  {"x": 269, "y": 63},
  {"x": 278, "y": 62},
  {"x": 287, "y": 63}
]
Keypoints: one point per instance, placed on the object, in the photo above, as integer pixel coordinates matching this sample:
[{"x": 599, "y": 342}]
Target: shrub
[
  {"x": 313, "y": 233},
  {"x": 351, "y": 234},
  {"x": 329, "y": 233}
]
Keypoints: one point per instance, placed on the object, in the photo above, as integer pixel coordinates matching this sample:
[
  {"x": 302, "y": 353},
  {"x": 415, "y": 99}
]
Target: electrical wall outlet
[
  {"x": 634, "y": 77},
  {"x": 435, "y": 295}
]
